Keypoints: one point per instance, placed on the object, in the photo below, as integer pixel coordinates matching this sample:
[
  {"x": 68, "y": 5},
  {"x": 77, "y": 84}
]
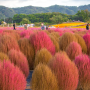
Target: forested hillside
[{"x": 70, "y": 10}]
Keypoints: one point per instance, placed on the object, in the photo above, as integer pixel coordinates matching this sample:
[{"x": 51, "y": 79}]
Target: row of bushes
[
  {"x": 72, "y": 43},
  {"x": 62, "y": 74},
  {"x": 26, "y": 52}
]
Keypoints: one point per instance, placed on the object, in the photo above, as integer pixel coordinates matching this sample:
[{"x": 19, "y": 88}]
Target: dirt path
[{"x": 28, "y": 80}]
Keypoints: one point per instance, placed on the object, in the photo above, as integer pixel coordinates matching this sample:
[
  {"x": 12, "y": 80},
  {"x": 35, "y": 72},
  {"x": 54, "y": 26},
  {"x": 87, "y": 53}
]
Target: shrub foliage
[
  {"x": 73, "y": 50},
  {"x": 11, "y": 78},
  {"x": 42, "y": 56},
  {"x": 43, "y": 79},
  {"x": 28, "y": 50},
  {"x": 66, "y": 39},
  {"x": 3, "y": 56},
  {"x": 7, "y": 43},
  {"x": 65, "y": 71},
  {"x": 42, "y": 40},
  {"x": 83, "y": 64},
  {"x": 19, "y": 59},
  {"x": 81, "y": 42}
]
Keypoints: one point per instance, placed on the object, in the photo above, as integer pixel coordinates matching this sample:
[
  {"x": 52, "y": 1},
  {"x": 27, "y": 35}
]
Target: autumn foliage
[
  {"x": 42, "y": 56},
  {"x": 83, "y": 64},
  {"x": 28, "y": 50},
  {"x": 81, "y": 42},
  {"x": 87, "y": 41},
  {"x": 3, "y": 56},
  {"x": 73, "y": 50},
  {"x": 43, "y": 78},
  {"x": 66, "y": 39},
  {"x": 56, "y": 43},
  {"x": 41, "y": 40},
  {"x": 65, "y": 71},
  {"x": 19, "y": 59},
  {"x": 11, "y": 78},
  {"x": 7, "y": 43}
]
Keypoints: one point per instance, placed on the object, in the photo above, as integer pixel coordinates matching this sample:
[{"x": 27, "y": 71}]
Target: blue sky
[{"x": 42, "y": 3}]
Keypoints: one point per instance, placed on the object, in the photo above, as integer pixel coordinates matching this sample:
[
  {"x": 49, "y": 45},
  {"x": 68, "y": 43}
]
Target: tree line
[{"x": 48, "y": 18}]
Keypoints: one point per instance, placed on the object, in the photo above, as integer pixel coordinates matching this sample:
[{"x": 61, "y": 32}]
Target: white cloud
[{"x": 42, "y": 3}]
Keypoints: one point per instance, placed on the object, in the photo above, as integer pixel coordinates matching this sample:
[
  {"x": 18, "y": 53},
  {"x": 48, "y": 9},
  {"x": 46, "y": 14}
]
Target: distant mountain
[
  {"x": 30, "y": 10},
  {"x": 71, "y": 10},
  {"x": 6, "y": 12},
  {"x": 84, "y": 7}
]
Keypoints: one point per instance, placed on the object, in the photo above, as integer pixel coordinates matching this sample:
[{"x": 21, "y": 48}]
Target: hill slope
[
  {"x": 71, "y": 10},
  {"x": 6, "y": 12}
]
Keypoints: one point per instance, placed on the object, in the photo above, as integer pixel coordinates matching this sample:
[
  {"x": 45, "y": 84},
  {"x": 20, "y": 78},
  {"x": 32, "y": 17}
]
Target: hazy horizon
[{"x": 44, "y": 3}]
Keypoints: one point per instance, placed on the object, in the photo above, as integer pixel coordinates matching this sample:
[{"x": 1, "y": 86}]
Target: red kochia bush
[
  {"x": 11, "y": 78},
  {"x": 7, "y": 43},
  {"x": 73, "y": 50},
  {"x": 26, "y": 33},
  {"x": 12, "y": 33},
  {"x": 65, "y": 71},
  {"x": 0, "y": 64},
  {"x": 19, "y": 59},
  {"x": 83, "y": 64},
  {"x": 87, "y": 41},
  {"x": 41, "y": 40}
]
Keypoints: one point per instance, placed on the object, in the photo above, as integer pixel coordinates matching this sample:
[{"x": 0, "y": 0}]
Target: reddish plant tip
[
  {"x": 11, "y": 78},
  {"x": 83, "y": 64},
  {"x": 87, "y": 41},
  {"x": 73, "y": 50},
  {"x": 7, "y": 43},
  {"x": 41, "y": 40},
  {"x": 19, "y": 59},
  {"x": 65, "y": 71}
]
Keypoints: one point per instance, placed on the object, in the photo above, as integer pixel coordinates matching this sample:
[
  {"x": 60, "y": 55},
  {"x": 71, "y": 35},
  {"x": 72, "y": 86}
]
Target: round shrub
[
  {"x": 87, "y": 41},
  {"x": 46, "y": 31},
  {"x": 12, "y": 33},
  {"x": 65, "y": 40},
  {"x": 0, "y": 64},
  {"x": 42, "y": 56},
  {"x": 55, "y": 35},
  {"x": 43, "y": 78},
  {"x": 81, "y": 42},
  {"x": 55, "y": 43},
  {"x": 3, "y": 56},
  {"x": 73, "y": 50},
  {"x": 65, "y": 71},
  {"x": 28, "y": 50},
  {"x": 82, "y": 32},
  {"x": 7, "y": 43},
  {"x": 11, "y": 78},
  {"x": 42, "y": 40},
  {"x": 16, "y": 35},
  {"x": 19, "y": 59},
  {"x": 26, "y": 33},
  {"x": 83, "y": 64}
]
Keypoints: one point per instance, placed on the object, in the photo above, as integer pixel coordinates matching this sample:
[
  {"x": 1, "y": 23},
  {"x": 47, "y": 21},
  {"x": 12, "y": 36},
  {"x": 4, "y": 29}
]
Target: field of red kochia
[{"x": 59, "y": 58}]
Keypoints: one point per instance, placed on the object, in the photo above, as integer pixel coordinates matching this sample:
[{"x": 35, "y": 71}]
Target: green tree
[
  {"x": 83, "y": 15},
  {"x": 25, "y": 20},
  {"x": 18, "y": 17},
  {"x": 58, "y": 19}
]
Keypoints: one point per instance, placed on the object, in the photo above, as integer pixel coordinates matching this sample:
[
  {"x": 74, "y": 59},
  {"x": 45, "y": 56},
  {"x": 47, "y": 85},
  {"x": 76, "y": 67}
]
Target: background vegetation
[{"x": 51, "y": 15}]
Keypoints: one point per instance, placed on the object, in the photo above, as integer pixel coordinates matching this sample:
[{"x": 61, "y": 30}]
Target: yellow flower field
[{"x": 72, "y": 24}]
